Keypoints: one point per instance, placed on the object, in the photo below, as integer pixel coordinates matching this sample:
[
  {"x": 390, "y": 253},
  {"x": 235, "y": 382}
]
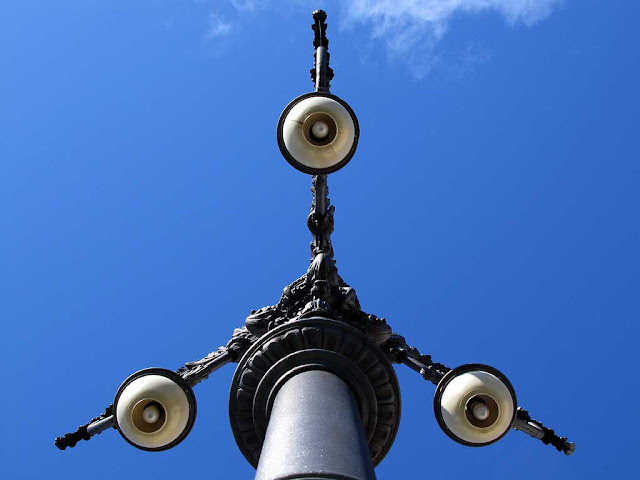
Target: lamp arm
[
  {"x": 535, "y": 429},
  {"x": 195, "y": 372},
  {"x": 84, "y": 432},
  {"x": 399, "y": 351},
  {"x": 199, "y": 370},
  {"x": 192, "y": 373}
]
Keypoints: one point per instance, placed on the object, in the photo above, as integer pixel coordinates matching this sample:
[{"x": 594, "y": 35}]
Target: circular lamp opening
[
  {"x": 482, "y": 411},
  {"x": 318, "y": 133},
  {"x": 319, "y": 129},
  {"x": 148, "y": 416},
  {"x": 475, "y": 405},
  {"x": 154, "y": 409}
]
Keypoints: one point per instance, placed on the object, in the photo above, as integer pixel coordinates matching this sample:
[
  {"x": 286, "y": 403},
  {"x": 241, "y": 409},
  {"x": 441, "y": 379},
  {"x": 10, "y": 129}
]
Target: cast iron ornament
[
  {"x": 314, "y": 341},
  {"x": 321, "y": 302}
]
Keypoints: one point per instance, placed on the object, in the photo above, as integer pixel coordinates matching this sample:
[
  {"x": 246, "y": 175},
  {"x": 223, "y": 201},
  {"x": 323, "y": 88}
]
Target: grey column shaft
[{"x": 315, "y": 432}]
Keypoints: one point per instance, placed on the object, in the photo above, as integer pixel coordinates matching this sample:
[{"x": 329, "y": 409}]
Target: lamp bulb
[
  {"x": 480, "y": 411},
  {"x": 320, "y": 130},
  {"x": 151, "y": 414}
]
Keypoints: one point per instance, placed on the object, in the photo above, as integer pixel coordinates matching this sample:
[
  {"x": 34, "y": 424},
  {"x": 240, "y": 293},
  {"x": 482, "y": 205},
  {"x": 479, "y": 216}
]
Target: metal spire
[
  {"x": 321, "y": 73},
  {"x": 320, "y": 219}
]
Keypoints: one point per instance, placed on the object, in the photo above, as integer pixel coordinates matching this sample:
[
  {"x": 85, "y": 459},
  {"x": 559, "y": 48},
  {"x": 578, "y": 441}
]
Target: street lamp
[{"x": 315, "y": 394}]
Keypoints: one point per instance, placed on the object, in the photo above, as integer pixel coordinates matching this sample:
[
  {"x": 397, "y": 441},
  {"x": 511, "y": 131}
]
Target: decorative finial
[
  {"x": 320, "y": 29},
  {"x": 321, "y": 73}
]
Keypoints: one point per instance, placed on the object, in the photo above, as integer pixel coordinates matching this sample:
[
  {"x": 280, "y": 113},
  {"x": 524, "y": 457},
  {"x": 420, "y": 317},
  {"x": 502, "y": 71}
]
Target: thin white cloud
[
  {"x": 218, "y": 27},
  {"x": 434, "y": 15},
  {"x": 246, "y": 5},
  {"x": 411, "y": 29},
  {"x": 408, "y": 22}
]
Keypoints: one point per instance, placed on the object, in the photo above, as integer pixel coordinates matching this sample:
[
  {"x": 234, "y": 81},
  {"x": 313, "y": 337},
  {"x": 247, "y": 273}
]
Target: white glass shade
[
  {"x": 154, "y": 409},
  {"x": 318, "y": 133},
  {"x": 475, "y": 405}
]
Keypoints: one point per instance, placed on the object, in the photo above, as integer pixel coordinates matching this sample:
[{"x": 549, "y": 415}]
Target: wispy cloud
[
  {"x": 247, "y": 5},
  {"x": 434, "y": 15},
  {"x": 411, "y": 29},
  {"x": 218, "y": 27}
]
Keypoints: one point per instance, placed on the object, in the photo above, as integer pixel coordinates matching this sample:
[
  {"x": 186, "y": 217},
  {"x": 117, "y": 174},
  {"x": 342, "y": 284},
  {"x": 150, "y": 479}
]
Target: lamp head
[
  {"x": 475, "y": 404},
  {"x": 318, "y": 133},
  {"x": 154, "y": 409}
]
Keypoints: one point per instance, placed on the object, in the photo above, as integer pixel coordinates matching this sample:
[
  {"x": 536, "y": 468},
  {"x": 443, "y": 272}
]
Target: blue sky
[{"x": 489, "y": 214}]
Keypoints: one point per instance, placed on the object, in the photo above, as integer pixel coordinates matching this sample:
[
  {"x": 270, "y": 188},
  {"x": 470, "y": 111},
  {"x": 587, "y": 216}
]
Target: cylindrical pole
[
  {"x": 321, "y": 69},
  {"x": 315, "y": 432}
]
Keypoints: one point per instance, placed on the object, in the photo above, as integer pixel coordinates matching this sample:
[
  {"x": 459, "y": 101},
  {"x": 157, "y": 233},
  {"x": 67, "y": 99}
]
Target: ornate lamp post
[{"x": 314, "y": 394}]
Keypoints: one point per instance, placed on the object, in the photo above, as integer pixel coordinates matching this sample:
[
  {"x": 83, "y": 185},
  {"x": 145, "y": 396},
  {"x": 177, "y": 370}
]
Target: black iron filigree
[
  {"x": 320, "y": 289},
  {"x": 82, "y": 433}
]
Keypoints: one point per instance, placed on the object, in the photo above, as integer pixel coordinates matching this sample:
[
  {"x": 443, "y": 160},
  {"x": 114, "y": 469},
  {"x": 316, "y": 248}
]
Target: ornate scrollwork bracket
[{"x": 399, "y": 351}]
